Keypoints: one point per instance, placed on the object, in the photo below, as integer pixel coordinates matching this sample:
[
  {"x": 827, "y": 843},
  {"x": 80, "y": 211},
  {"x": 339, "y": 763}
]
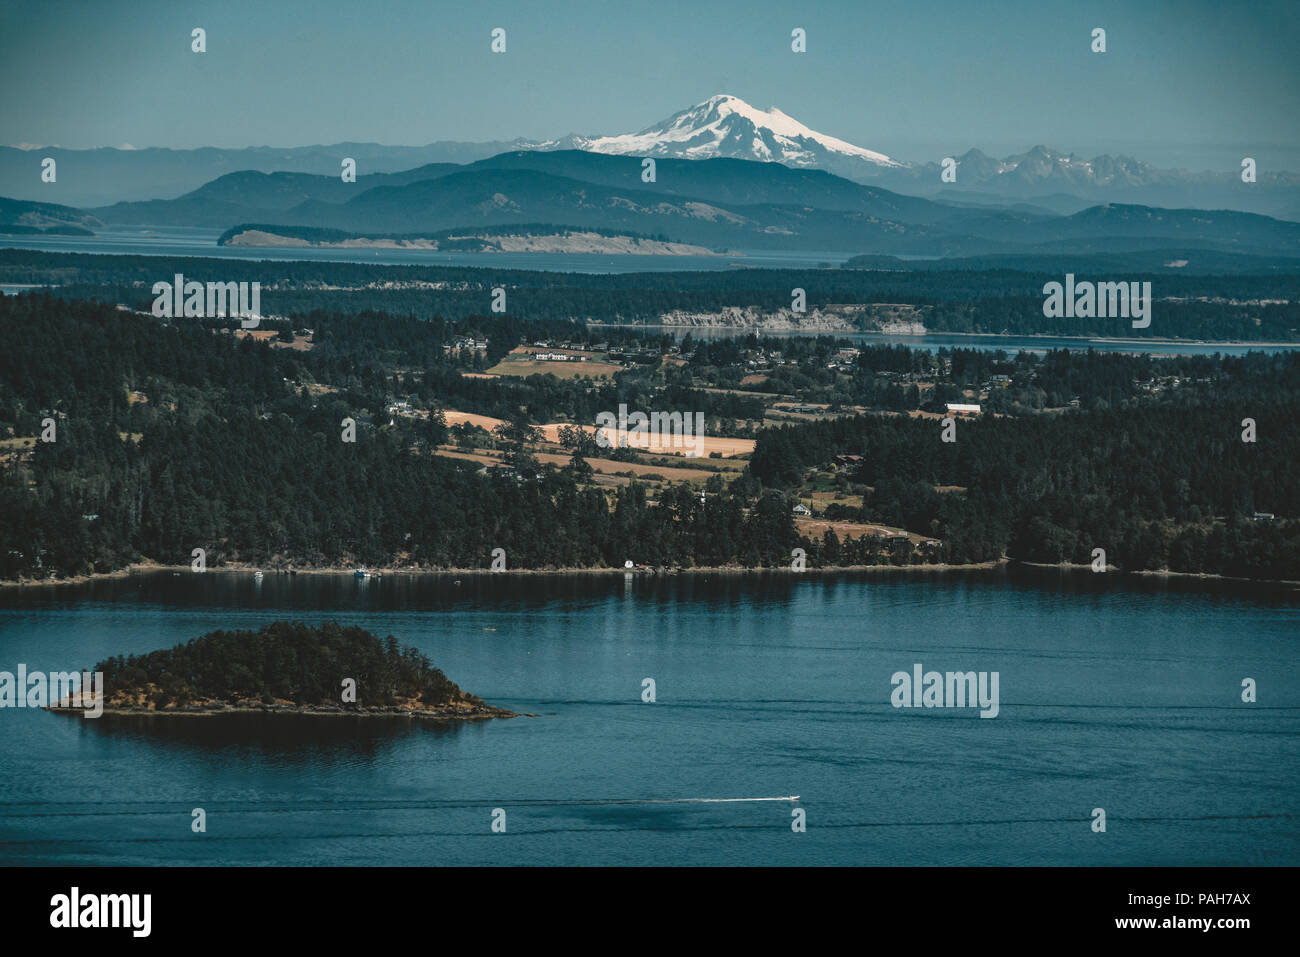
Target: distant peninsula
[
  {"x": 529, "y": 238},
  {"x": 285, "y": 668}
]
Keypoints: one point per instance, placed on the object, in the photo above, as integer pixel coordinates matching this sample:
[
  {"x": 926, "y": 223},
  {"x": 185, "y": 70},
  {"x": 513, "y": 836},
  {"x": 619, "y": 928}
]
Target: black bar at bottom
[{"x": 331, "y": 906}]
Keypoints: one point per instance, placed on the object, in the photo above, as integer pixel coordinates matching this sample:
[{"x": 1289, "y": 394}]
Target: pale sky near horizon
[{"x": 1191, "y": 84}]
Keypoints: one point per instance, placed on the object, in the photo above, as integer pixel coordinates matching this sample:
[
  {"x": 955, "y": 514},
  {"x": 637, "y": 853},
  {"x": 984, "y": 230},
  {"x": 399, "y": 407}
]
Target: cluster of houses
[
  {"x": 764, "y": 360},
  {"x": 927, "y": 375},
  {"x": 572, "y": 344},
  {"x": 1159, "y": 384},
  {"x": 556, "y": 357},
  {"x": 844, "y": 359},
  {"x": 642, "y": 353},
  {"x": 466, "y": 344},
  {"x": 398, "y": 406}
]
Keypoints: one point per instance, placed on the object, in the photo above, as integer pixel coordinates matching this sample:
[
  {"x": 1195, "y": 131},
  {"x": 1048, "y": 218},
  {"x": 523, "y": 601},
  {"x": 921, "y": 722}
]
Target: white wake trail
[{"x": 792, "y": 797}]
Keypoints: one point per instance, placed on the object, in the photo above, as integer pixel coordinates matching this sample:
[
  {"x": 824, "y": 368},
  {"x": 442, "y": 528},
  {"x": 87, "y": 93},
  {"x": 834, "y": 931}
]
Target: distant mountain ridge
[
  {"x": 720, "y": 127},
  {"x": 19, "y": 216},
  {"x": 716, "y": 203}
]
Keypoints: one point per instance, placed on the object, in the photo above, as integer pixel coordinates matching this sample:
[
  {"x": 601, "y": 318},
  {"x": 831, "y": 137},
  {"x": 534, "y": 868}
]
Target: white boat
[{"x": 362, "y": 573}]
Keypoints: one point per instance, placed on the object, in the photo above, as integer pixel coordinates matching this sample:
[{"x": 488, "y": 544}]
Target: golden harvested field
[
  {"x": 602, "y": 466},
  {"x": 483, "y": 421},
  {"x": 561, "y": 370},
  {"x": 551, "y": 433},
  {"x": 674, "y": 446}
]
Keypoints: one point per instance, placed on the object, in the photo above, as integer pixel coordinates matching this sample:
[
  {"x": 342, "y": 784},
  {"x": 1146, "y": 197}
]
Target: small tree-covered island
[{"x": 286, "y": 668}]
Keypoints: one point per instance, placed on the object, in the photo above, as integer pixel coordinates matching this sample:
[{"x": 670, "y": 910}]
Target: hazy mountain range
[
  {"x": 721, "y": 126},
  {"x": 726, "y": 177},
  {"x": 721, "y": 204}
]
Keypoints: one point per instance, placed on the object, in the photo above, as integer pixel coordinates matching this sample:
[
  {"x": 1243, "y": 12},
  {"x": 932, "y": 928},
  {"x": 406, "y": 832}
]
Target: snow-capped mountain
[
  {"x": 727, "y": 126},
  {"x": 722, "y": 126},
  {"x": 1041, "y": 166}
]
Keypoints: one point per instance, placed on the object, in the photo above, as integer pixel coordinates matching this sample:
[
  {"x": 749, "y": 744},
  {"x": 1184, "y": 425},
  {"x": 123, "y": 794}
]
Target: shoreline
[
  {"x": 473, "y": 713},
  {"x": 1121, "y": 340},
  {"x": 639, "y": 571},
  {"x": 1161, "y": 573},
  {"x": 1118, "y": 340}
]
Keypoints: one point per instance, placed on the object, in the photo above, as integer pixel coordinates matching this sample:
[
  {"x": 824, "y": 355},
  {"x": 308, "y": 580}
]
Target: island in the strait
[
  {"x": 523, "y": 238},
  {"x": 286, "y": 668}
]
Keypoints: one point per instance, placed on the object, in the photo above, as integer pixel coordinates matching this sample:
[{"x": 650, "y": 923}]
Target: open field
[
  {"x": 672, "y": 445},
  {"x": 520, "y": 363},
  {"x": 561, "y": 370},
  {"x": 602, "y": 466},
  {"x": 816, "y": 528},
  {"x": 482, "y": 421},
  {"x": 551, "y": 433}
]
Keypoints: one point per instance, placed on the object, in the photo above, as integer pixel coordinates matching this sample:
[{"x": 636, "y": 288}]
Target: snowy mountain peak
[{"x": 727, "y": 126}]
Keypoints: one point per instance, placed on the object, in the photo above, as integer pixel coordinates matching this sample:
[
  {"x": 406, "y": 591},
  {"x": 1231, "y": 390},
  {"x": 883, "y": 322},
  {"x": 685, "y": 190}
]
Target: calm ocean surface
[{"x": 1116, "y": 693}]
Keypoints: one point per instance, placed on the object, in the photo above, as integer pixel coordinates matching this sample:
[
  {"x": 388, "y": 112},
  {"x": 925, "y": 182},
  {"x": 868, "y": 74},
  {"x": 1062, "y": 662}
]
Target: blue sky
[{"x": 1194, "y": 84}]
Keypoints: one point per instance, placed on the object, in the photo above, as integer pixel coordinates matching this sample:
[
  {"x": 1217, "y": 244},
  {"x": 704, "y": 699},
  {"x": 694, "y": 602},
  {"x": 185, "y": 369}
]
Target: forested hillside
[
  {"x": 284, "y": 661},
  {"x": 174, "y": 436}
]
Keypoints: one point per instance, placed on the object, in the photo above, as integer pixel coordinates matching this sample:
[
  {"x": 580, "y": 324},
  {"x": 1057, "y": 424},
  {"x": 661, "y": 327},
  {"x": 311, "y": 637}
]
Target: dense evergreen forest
[
  {"x": 1170, "y": 486},
  {"x": 232, "y": 454},
  {"x": 171, "y": 437},
  {"x": 282, "y": 662}
]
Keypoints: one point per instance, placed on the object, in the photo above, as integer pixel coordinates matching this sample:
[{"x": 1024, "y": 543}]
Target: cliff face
[{"x": 888, "y": 318}]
